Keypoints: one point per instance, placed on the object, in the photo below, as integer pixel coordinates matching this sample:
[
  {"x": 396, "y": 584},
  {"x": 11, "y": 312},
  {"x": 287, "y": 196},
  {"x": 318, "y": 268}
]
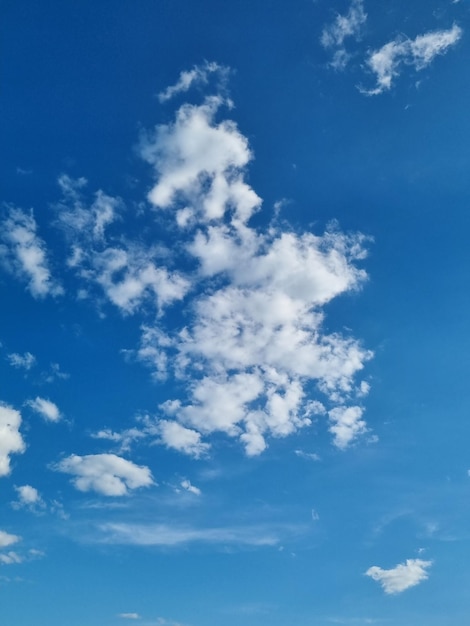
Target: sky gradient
[{"x": 233, "y": 250}]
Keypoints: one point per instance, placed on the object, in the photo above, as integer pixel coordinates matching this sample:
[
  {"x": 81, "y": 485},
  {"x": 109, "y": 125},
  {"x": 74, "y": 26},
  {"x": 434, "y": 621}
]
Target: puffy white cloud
[
  {"x": 6, "y": 539},
  {"x": 344, "y": 26},
  {"x": 21, "y": 361},
  {"x": 183, "y": 439},
  {"x": 107, "y": 474},
  {"x": 386, "y": 62},
  {"x": 346, "y": 424},
  {"x": 47, "y": 409},
  {"x": 254, "y": 339},
  {"x": 401, "y": 577},
  {"x": 200, "y": 163},
  {"x": 11, "y": 441},
  {"x": 28, "y": 497},
  {"x": 23, "y": 253}
]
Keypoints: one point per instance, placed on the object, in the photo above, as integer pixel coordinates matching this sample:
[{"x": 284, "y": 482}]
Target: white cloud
[
  {"x": 172, "y": 535},
  {"x": 401, "y": 577},
  {"x": 254, "y": 339},
  {"x": 346, "y": 424},
  {"x": 200, "y": 162},
  {"x": 127, "y": 272},
  {"x": 11, "y": 441},
  {"x": 21, "y": 361},
  {"x": 10, "y": 558},
  {"x": 107, "y": 474},
  {"x": 344, "y": 26},
  {"x": 186, "y": 484},
  {"x": 386, "y": 62},
  {"x": 129, "y": 615},
  {"x": 186, "y": 440},
  {"x": 47, "y": 409},
  {"x": 28, "y": 497},
  {"x": 199, "y": 75},
  {"x": 24, "y": 255},
  {"x": 6, "y": 539}
]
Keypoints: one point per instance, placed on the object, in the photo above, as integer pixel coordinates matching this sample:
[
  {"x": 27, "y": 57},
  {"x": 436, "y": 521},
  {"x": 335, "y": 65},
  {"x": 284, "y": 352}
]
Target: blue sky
[{"x": 233, "y": 260}]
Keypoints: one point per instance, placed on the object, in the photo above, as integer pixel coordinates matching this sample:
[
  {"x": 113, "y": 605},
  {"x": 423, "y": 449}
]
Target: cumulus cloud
[
  {"x": 254, "y": 338},
  {"x": 127, "y": 272},
  {"x": 11, "y": 441},
  {"x": 247, "y": 344},
  {"x": 344, "y": 26},
  {"x": 401, "y": 577},
  {"x": 387, "y": 62},
  {"x": 28, "y": 498},
  {"x": 47, "y": 409},
  {"x": 106, "y": 474},
  {"x": 21, "y": 361},
  {"x": 23, "y": 253}
]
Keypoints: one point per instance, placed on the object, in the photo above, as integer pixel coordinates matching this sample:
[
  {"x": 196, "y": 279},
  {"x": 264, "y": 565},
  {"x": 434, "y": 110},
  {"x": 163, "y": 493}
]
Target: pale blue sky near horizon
[{"x": 233, "y": 331}]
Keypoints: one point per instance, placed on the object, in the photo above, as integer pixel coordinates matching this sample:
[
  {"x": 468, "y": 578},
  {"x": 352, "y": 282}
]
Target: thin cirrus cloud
[
  {"x": 388, "y": 61},
  {"x": 105, "y": 474},
  {"x": 174, "y": 535},
  {"x": 401, "y": 577},
  {"x": 23, "y": 253}
]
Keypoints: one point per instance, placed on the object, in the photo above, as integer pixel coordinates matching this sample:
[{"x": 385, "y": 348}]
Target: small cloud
[
  {"x": 107, "y": 474},
  {"x": 401, "y": 577},
  {"x": 11, "y": 441},
  {"x": 191, "y": 488},
  {"x": 387, "y": 61},
  {"x": 129, "y": 615},
  {"x": 344, "y": 26},
  {"x": 24, "y": 254},
  {"x": 47, "y": 409},
  {"x": 311, "y": 456},
  {"x": 199, "y": 75},
  {"x": 6, "y": 539},
  {"x": 28, "y": 498},
  {"x": 21, "y": 361}
]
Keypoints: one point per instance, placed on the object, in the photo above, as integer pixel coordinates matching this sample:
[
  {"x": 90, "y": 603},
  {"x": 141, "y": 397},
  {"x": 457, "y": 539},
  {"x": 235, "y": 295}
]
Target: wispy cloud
[
  {"x": 344, "y": 27},
  {"x": 23, "y": 253},
  {"x": 174, "y": 535},
  {"x": 401, "y": 577},
  {"x": 198, "y": 75},
  {"x": 46, "y": 408},
  {"x": 388, "y": 61},
  {"x": 28, "y": 498},
  {"x": 21, "y": 361}
]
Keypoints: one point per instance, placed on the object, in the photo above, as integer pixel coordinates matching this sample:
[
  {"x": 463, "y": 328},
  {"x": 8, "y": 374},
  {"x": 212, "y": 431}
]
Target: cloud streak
[{"x": 387, "y": 62}]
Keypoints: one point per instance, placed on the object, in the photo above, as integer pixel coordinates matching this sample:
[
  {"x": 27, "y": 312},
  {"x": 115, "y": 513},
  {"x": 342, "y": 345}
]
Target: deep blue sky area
[{"x": 234, "y": 308}]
